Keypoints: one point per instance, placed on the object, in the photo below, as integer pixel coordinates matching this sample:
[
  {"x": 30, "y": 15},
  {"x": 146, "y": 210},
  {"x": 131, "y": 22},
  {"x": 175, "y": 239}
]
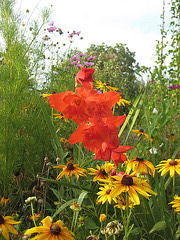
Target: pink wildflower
[
  {"x": 113, "y": 55},
  {"x": 51, "y": 29},
  {"x": 174, "y": 87}
]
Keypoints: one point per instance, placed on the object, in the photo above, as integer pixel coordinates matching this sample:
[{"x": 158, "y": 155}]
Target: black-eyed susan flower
[
  {"x": 171, "y": 137},
  {"x": 51, "y": 231},
  {"x": 36, "y": 216},
  {"x": 170, "y": 166},
  {"x": 139, "y": 165},
  {"x": 104, "y": 86},
  {"x": 122, "y": 203},
  {"x": 6, "y": 224},
  {"x": 122, "y": 101},
  {"x": 4, "y": 201},
  {"x": 109, "y": 167},
  {"x": 105, "y": 194},
  {"x": 133, "y": 186},
  {"x": 102, "y": 217},
  {"x": 60, "y": 116},
  {"x": 141, "y": 133},
  {"x": 70, "y": 169},
  {"x": 100, "y": 172},
  {"x": 63, "y": 140},
  {"x": 46, "y": 95},
  {"x": 176, "y": 203}
]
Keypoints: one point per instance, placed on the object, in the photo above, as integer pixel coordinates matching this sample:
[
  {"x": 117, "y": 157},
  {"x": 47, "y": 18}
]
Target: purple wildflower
[
  {"x": 174, "y": 87},
  {"x": 79, "y": 65},
  {"x": 51, "y": 24},
  {"x": 71, "y": 35},
  {"x": 78, "y": 33},
  {"x": 81, "y": 54},
  {"x": 55, "y": 72},
  {"x": 91, "y": 58},
  {"x": 67, "y": 68},
  {"x": 89, "y": 64},
  {"x": 74, "y": 58},
  {"x": 46, "y": 37},
  {"x": 51, "y": 29}
]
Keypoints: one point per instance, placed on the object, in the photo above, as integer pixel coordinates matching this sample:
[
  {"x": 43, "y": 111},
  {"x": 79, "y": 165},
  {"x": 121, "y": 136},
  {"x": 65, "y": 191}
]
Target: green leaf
[
  {"x": 178, "y": 233},
  {"x": 80, "y": 200},
  {"x": 161, "y": 225},
  {"x": 56, "y": 193},
  {"x": 90, "y": 224},
  {"x": 57, "y": 144},
  {"x": 65, "y": 205}
]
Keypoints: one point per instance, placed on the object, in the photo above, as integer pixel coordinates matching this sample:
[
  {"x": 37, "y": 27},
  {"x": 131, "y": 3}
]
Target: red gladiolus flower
[
  {"x": 85, "y": 104},
  {"x": 99, "y": 134},
  {"x": 76, "y": 107},
  {"x": 118, "y": 155},
  {"x": 85, "y": 77}
]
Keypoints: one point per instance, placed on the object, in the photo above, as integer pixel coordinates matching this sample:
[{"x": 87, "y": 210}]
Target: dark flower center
[
  {"x": 173, "y": 163},
  {"x": 140, "y": 159},
  {"x": 141, "y": 130},
  {"x": 102, "y": 172},
  {"x": 53, "y": 92},
  {"x": 108, "y": 191},
  {"x": 70, "y": 166},
  {"x": 55, "y": 230},
  {"x": 16, "y": 173},
  {"x": 127, "y": 180},
  {"x": 1, "y": 219}
]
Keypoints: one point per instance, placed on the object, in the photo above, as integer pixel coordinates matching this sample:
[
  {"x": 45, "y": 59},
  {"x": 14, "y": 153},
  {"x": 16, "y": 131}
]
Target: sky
[{"x": 135, "y": 23}]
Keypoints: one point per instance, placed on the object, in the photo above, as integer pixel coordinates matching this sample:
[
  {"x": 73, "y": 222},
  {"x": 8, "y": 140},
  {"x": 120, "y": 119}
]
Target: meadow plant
[{"x": 73, "y": 164}]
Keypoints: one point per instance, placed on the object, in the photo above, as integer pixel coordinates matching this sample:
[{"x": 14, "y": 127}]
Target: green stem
[
  {"x": 72, "y": 225},
  {"x": 79, "y": 154},
  {"x": 173, "y": 213},
  {"x": 32, "y": 209},
  {"x": 106, "y": 211}
]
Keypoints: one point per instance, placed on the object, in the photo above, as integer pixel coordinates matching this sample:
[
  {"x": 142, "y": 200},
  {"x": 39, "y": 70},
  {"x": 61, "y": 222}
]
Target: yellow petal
[
  {"x": 5, "y": 232},
  {"x": 37, "y": 230}
]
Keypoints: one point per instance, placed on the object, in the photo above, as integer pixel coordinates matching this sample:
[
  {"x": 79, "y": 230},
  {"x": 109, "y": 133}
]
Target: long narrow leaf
[{"x": 59, "y": 150}]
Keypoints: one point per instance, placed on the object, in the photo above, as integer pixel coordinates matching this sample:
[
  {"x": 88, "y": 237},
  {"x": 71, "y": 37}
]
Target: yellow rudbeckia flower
[
  {"x": 132, "y": 186},
  {"x": 6, "y": 224},
  {"x": 172, "y": 166},
  {"x": 51, "y": 231},
  {"x": 70, "y": 169}
]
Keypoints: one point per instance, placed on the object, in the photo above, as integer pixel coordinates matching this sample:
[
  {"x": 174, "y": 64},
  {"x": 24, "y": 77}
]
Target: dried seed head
[
  {"x": 39, "y": 175},
  {"x": 58, "y": 160},
  {"x": 43, "y": 182},
  {"x": 40, "y": 201},
  {"x": 46, "y": 159},
  {"x": 48, "y": 164}
]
